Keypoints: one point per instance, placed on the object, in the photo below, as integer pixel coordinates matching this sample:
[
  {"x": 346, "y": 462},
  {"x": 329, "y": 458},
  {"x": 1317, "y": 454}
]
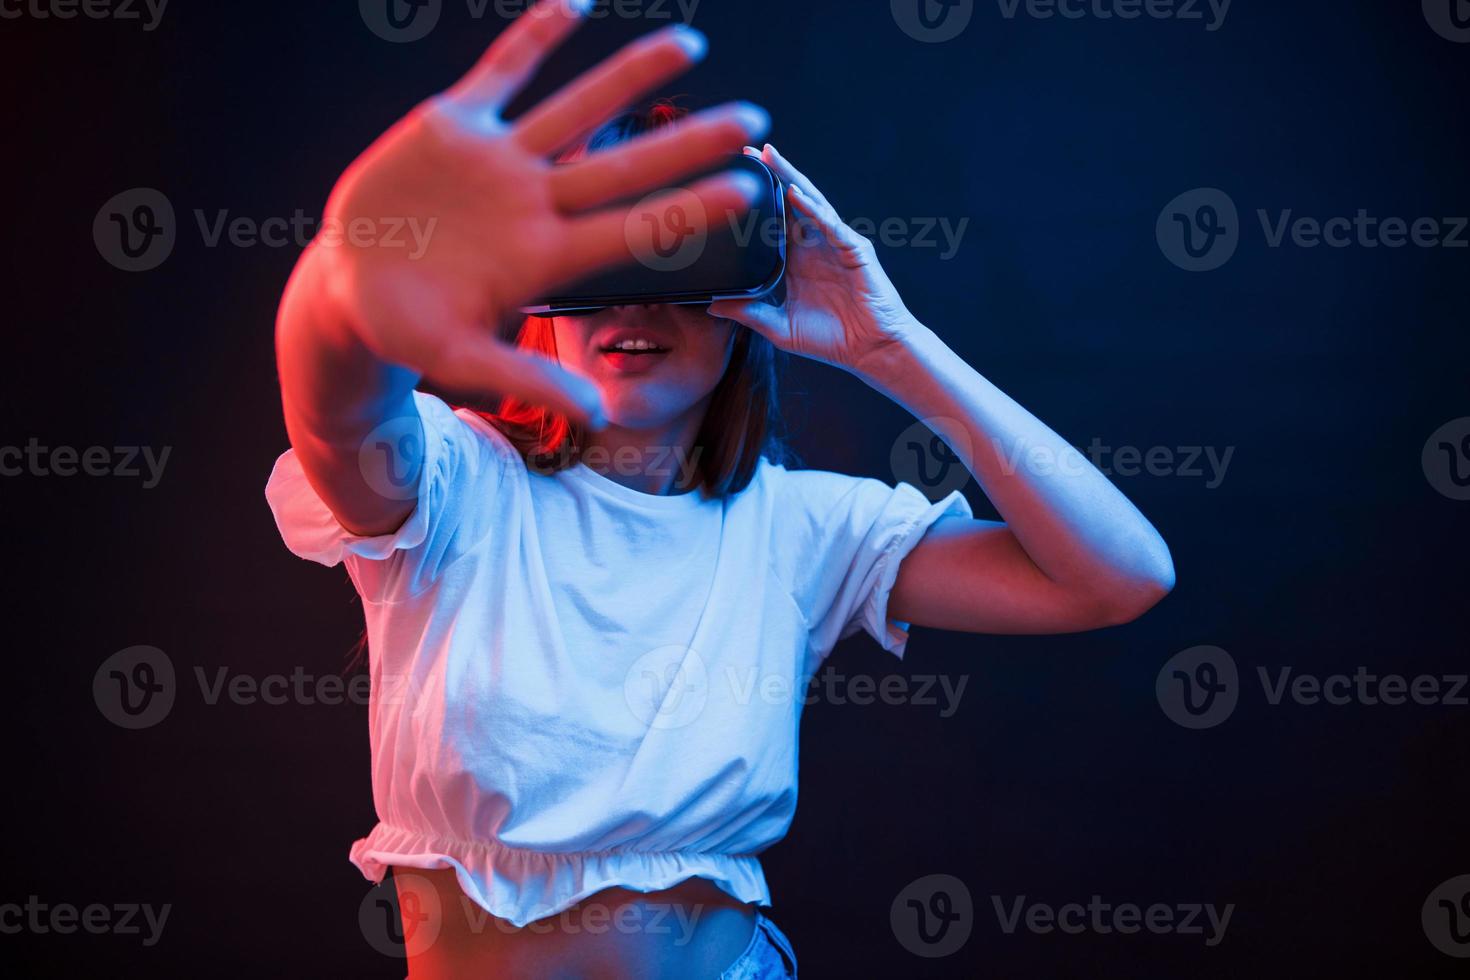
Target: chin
[{"x": 639, "y": 408}]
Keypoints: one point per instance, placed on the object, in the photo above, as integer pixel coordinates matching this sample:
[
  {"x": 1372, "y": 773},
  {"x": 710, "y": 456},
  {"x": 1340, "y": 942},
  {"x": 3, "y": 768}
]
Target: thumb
[{"x": 767, "y": 320}]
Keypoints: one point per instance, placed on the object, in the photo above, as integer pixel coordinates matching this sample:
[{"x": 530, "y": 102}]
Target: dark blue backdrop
[{"x": 1325, "y": 547}]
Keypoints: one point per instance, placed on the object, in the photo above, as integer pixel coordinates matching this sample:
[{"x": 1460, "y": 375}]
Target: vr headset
[{"x": 681, "y": 261}]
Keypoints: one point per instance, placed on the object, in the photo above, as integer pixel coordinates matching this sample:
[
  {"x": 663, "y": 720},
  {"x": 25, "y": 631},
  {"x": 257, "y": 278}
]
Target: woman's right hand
[{"x": 504, "y": 225}]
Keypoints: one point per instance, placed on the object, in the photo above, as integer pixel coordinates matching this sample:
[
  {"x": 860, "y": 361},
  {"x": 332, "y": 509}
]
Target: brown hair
[{"x": 740, "y": 424}]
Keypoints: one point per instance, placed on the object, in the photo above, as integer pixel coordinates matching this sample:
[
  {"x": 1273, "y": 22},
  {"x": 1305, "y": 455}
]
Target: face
[{"x": 654, "y": 364}]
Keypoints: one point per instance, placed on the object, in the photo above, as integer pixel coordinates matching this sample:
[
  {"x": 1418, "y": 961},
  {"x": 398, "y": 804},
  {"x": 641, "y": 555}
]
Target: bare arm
[
  {"x": 364, "y": 319},
  {"x": 334, "y": 393},
  {"x": 1072, "y": 553}
]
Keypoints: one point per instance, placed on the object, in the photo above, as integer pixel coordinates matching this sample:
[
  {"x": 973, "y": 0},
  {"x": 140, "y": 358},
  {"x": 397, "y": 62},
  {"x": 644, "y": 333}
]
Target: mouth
[{"x": 632, "y": 351}]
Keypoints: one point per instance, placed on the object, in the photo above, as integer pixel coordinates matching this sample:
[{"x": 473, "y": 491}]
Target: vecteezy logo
[
  {"x": 1198, "y": 687},
  {"x": 400, "y": 21},
  {"x": 135, "y": 230},
  {"x": 1446, "y": 917},
  {"x": 401, "y": 916},
  {"x": 1199, "y": 230},
  {"x": 391, "y": 457},
  {"x": 932, "y": 21},
  {"x": 1450, "y": 19},
  {"x": 134, "y": 688},
  {"x": 676, "y": 220},
  {"x": 670, "y": 235},
  {"x": 1446, "y": 459},
  {"x": 932, "y": 916},
  {"x": 921, "y": 457},
  {"x": 667, "y": 687}
]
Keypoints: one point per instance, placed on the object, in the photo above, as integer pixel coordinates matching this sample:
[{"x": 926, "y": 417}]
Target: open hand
[{"x": 504, "y": 224}]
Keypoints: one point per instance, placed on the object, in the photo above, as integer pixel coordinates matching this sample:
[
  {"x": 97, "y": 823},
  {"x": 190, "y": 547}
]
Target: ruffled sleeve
[
  {"x": 461, "y": 462},
  {"x": 847, "y": 538}
]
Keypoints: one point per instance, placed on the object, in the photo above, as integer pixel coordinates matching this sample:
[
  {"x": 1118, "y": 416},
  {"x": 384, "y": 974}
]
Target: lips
[
  {"x": 624, "y": 338},
  {"x": 633, "y": 362},
  {"x": 632, "y": 350}
]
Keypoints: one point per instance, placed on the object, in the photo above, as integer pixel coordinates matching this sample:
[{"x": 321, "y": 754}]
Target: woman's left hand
[
  {"x": 840, "y": 305},
  {"x": 1073, "y": 553}
]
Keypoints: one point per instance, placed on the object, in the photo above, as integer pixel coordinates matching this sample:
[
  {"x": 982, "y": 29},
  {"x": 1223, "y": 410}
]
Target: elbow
[
  {"x": 1140, "y": 591},
  {"x": 1140, "y": 599}
]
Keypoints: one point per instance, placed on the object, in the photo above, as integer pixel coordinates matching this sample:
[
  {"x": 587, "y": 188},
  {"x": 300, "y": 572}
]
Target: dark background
[{"x": 1324, "y": 549}]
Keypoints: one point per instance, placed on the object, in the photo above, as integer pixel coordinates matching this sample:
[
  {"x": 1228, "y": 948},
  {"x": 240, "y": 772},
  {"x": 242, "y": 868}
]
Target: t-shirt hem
[{"x": 523, "y": 886}]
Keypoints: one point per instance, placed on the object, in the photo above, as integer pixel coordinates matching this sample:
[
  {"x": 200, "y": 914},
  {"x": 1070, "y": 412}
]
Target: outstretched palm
[{"x": 504, "y": 224}]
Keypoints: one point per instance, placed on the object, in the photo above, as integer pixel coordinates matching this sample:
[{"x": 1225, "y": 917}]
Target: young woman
[{"x": 577, "y": 608}]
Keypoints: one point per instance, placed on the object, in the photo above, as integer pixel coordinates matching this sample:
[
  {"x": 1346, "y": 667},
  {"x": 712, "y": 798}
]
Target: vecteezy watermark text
[
  {"x": 300, "y": 230},
  {"x": 1200, "y": 688},
  {"x": 1200, "y": 230},
  {"x": 933, "y": 916},
  {"x": 1105, "y": 918},
  {"x": 891, "y": 232},
  {"x": 930, "y": 454},
  {"x": 390, "y": 459},
  {"x": 136, "y": 688},
  {"x": 40, "y": 918},
  {"x": 1191, "y": 462},
  {"x": 670, "y": 686},
  {"x": 1211, "y": 13},
  {"x": 128, "y": 462},
  {"x": 937, "y": 21},
  {"x": 1362, "y": 687},
  {"x": 406, "y": 21},
  {"x": 669, "y": 231},
  {"x": 149, "y": 13},
  {"x": 136, "y": 230}
]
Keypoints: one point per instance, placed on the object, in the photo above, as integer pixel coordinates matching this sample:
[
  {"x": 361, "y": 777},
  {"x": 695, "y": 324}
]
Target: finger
[
  {"x": 654, "y": 159},
  {"x": 790, "y": 174},
  {"x": 601, "y": 92},
  {"x": 510, "y": 61},
  {"x": 616, "y": 236},
  {"x": 473, "y": 361},
  {"x": 767, "y": 320},
  {"x": 819, "y": 212},
  {"x": 827, "y": 220}
]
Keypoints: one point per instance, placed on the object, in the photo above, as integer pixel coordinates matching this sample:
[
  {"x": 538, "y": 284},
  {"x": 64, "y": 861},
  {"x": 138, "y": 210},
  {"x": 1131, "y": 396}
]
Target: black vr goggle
[{"x": 682, "y": 259}]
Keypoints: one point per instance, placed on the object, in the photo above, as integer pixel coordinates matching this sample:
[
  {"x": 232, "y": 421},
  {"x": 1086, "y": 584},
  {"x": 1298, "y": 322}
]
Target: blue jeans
[{"x": 768, "y": 956}]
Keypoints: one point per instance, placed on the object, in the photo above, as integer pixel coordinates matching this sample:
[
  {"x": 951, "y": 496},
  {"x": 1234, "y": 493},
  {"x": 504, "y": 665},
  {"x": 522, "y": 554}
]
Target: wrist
[
  {"x": 328, "y": 279},
  {"x": 900, "y": 358},
  {"x": 323, "y": 301}
]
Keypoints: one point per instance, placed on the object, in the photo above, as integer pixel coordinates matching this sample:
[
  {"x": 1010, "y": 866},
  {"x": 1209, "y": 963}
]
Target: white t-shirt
[{"x": 577, "y": 685}]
